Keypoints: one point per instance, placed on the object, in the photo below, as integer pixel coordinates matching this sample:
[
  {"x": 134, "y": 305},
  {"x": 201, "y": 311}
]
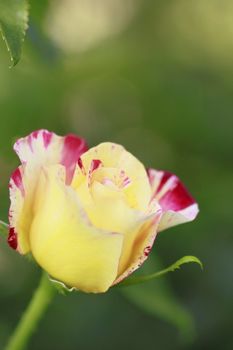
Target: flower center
[{"x": 113, "y": 178}]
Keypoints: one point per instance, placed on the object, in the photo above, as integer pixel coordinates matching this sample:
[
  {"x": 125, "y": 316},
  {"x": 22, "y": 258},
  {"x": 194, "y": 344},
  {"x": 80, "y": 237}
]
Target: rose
[{"x": 89, "y": 217}]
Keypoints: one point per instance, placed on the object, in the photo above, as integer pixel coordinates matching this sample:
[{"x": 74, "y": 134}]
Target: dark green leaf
[{"x": 13, "y": 25}]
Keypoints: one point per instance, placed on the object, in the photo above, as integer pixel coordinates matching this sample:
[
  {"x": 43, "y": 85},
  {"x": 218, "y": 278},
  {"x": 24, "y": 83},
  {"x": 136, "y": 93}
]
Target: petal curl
[
  {"x": 65, "y": 243},
  {"x": 42, "y": 147},
  {"x": 120, "y": 194},
  {"x": 36, "y": 150},
  {"x": 177, "y": 204},
  {"x": 139, "y": 247},
  {"x": 22, "y": 185},
  {"x": 115, "y": 156}
]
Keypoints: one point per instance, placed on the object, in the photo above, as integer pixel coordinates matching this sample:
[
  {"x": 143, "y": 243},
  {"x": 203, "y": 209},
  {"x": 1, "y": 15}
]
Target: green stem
[{"x": 30, "y": 319}]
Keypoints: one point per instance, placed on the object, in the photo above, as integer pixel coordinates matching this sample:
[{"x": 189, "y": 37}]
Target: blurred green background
[{"x": 157, "y": 77}]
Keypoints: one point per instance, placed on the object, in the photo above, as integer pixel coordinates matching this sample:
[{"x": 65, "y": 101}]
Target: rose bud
[{"x": 89, "y": 217}]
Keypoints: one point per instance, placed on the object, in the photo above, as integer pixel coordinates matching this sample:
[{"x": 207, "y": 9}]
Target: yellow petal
[
  {"x": 66, "y": 244},
  {"x": 106, "y": 205},
  {"x": 115, "y": 156},
  {"x": 138, "y": 248},
  {"x": 35, "y": 150},
  {"x": 21, "y": 196},
  {"x": 110, "y": 210},
  {"x": 114, "y": 207}
]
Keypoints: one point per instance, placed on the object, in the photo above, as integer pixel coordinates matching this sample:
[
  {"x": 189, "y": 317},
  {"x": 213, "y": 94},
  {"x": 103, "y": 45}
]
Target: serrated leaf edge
[{"x": 176, "y": 265}]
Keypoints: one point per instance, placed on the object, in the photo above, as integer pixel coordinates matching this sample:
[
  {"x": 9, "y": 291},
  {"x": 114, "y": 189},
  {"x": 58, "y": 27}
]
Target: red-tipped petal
[
  {"x": 17, "y": 193},
  {"x": 38, "y": 149},
  {"x": 43, "y": 147},
  {"x": 178, "y": 206},
  {"x": 73, "y": 148}
]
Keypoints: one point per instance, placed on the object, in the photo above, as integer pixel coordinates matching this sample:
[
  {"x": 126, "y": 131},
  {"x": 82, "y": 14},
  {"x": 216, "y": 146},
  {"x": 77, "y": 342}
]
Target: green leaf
[
  {"x": 13, "y": 26},
  {"x": 141, "y": 279},
  {"x": 158, "y": 300},
  {"x": 3, "y": 229}
]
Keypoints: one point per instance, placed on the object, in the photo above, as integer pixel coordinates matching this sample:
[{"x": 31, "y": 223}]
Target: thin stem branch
[{"x": 30, "y": 319}]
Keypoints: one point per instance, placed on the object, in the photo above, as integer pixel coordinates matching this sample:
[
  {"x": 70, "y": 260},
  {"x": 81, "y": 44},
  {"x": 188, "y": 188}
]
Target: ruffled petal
[
  {"x": 119, "y": 198},
  {"x": 136, "y": 186},
  {"x": 178, "y": 206},
  {"x": 105, "y": 204},
  {"x": 38, "y": 149},
  {"x": 44, "y": 148},
  {"x": 65, "y": 243}
]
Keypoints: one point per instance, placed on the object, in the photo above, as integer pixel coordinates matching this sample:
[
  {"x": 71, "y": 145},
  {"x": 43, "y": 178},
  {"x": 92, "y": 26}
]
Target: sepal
[{"x": 61, "y": 287}]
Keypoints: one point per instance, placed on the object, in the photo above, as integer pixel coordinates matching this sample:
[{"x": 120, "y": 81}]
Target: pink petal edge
[
  {"x": 73, "y": 148},
  {"x": 16, "y": 183},
  {"x": 45, "y": 147},
  {"x": 177, "y": 204}
]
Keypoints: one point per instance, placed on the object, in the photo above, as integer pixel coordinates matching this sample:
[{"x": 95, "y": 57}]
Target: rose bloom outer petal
[
  {"x": 22, "y": 186},
  {"x": 17, "y": 193},
  {"x": 44, "y": 147},
  {"x": 64, "y": 242},
  {"x": 113, "y": 213},
  {"x": 178, "y": 206},
  {"x": 140, "y": 248},
  {"x": 35, "y": 150}
]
